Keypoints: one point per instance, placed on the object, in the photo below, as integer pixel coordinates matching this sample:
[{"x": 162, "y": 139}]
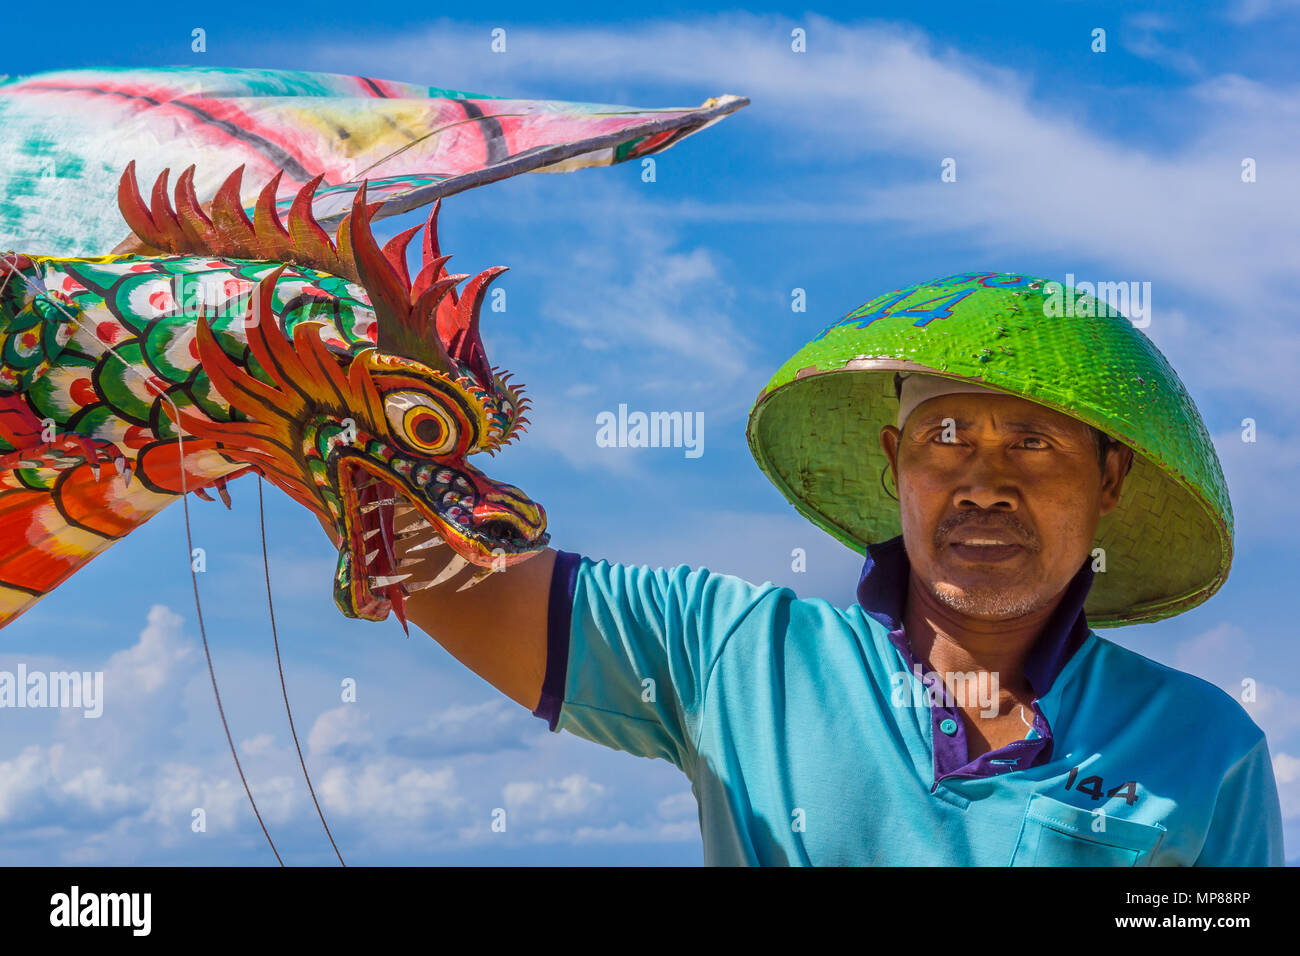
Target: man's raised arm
[{"x": 496, "y": 628}]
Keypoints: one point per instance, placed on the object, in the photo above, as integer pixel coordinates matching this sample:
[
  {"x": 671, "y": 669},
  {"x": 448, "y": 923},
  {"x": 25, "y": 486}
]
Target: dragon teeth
[
  {"x": 370, "y": 534},
  {"x": 412, "y": 530},
  {"x": 479, "y": 576},
  {"x": 372, "y": 555},
  {"x": 454, "y": 567},
  {"x": 367, "y": 508},
  {"x": 384, "y": 580},
  {"x": 432, "y": 542}
]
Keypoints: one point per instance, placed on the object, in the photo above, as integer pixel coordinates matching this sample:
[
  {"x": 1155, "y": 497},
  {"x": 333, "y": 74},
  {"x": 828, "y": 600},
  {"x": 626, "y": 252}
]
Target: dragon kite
[{"x": 264, "y": 331}]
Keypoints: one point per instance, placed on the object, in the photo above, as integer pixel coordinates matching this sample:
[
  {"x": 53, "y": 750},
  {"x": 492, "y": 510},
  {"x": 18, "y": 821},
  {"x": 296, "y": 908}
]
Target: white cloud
[
  {"x": 574, "y": 795},
  {"x": 257, "y": 746},
  {"x": 178, "y": 789},
  {"x": 1251, "y": 11},
  {"x": 682, "y": 831},
  {"x": 1273, "y": 709},
  {"x": 1217, "y": 655},
  {"x": 1260, "y": 474},
  {"x": 663, "y": 314},
  {"x": 344, "y": 726},
  {"x": 640, "y": 293},
  {"x": 386, "y": 790},
  {"x": 126, "y": 788},
  {"x": 24, "y": 778},
  {"x": 494, "y": 725},
  {"x": 678, "y": 806},
  {"x": 567, "y": 431},
  {"x": 1286, "y": 770},
  {"x": 79, "y": 772},
  {"x": 1142, "y": 36},
  {"x": 93, "y": 788},
  {"x": 109, "y": 778},
  {"x": 151, "y": 663}
]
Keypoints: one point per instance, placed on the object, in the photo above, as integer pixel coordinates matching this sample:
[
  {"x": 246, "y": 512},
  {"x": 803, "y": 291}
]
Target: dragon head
[{"x": 355, "y": 431}]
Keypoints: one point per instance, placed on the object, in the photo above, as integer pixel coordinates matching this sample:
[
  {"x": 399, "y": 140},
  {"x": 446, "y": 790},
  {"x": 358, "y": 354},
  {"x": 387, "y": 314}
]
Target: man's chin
[{"x": 993, "y": 602}]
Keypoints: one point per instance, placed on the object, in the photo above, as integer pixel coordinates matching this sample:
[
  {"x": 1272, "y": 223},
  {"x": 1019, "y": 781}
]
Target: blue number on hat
[{"x": 940, "y": 308}]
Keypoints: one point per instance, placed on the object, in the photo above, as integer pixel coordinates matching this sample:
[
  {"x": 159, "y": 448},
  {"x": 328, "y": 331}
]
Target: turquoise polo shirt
[{"x": 812, "y": 736}]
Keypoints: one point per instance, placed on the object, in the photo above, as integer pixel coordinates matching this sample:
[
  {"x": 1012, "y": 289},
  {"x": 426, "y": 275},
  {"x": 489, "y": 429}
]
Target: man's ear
[
  {"x": 1119, "y": 459},
  {"x": 889, "y": 437}
]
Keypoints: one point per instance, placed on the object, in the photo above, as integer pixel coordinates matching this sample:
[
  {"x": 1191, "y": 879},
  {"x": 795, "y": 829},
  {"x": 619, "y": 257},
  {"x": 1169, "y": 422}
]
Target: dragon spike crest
[{"x": 424, "y": 320}]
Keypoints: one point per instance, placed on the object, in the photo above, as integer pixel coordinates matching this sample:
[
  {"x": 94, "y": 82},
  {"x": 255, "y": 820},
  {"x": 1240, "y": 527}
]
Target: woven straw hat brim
[{"x": 1167, "y": 545}]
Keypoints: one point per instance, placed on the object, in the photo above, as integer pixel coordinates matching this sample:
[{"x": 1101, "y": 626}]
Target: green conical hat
[{"x": 815, "y": 428}]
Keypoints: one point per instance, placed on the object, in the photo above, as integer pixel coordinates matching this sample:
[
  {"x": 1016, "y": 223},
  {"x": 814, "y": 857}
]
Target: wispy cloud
[
  {"x": 486, "y": 728},
  {"x": 1253, "y": 11},
  {"x": 1146, "y": 35}
]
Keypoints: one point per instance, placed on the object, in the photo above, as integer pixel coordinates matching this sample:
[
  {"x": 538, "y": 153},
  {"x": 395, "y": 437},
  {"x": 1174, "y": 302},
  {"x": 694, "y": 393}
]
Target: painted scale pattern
[
  {"x": 285, "y": 369},
  {"x": 57, "y": 375}
]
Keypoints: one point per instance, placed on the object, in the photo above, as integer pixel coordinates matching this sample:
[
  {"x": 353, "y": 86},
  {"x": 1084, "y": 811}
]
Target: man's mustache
[{"x": 974, "y": 519}]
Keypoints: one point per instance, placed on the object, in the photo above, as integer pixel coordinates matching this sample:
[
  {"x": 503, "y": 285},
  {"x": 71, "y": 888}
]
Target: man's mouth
[
  {"x": 985, "y": 553},
  {"x": 985, "y": 545}
]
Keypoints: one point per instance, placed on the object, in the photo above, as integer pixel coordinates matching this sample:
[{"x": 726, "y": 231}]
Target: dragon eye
[
  {"x": 428, "y": 429},
  {"x": 421, "y": 423}
]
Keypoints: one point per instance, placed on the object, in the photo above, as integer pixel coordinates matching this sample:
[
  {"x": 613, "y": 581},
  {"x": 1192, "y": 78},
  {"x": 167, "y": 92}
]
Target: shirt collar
[{"x": 882, "y": 592}]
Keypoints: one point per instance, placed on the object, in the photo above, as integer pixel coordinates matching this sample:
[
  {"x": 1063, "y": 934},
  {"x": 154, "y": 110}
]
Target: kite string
[
  {"x": 42, "y": 293},
  {"x": 266, "y": 564}
]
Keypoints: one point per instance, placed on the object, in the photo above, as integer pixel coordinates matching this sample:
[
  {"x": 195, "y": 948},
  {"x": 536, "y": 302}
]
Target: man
[{"x": 963, "y": 712}]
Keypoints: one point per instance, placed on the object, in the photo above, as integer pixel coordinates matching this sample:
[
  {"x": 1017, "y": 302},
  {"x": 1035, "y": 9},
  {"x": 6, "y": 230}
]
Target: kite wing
[{"x": 68, "y": 135}]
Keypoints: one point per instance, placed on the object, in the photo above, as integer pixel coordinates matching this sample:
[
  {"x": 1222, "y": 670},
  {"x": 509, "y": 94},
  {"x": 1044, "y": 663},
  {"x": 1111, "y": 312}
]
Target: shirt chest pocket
[{"x": 1057, "y": 834}]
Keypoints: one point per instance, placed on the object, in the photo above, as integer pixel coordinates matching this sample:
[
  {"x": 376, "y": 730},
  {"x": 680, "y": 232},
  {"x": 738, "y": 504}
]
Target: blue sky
[{"x": 674, "y": 295}]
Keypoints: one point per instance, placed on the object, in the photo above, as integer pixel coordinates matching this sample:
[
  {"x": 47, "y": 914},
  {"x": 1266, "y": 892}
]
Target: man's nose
[{"x": 987, "y": 484}]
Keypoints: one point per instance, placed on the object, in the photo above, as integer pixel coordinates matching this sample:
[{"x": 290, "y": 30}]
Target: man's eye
[{"x": 1041, "y": 443}]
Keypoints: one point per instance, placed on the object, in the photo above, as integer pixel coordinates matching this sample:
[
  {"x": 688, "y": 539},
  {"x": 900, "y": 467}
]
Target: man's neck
[{"x": 955, "y": 643}]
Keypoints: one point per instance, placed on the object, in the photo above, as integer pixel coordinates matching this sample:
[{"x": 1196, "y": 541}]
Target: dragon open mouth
[{"x": 487, "y": 524}]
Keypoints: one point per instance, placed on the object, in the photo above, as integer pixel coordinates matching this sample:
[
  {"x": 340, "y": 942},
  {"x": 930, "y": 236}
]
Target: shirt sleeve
[
  {"x": 630, "y": 649},
  {"x": 1246, "y": 829}
]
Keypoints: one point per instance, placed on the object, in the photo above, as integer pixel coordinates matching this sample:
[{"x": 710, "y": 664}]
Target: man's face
[{"x": 999, "y": 499}]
